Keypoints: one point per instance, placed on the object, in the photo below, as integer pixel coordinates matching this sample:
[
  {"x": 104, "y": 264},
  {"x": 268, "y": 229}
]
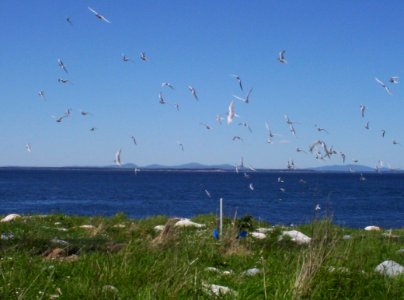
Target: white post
[{"x": 221, "y": 217}]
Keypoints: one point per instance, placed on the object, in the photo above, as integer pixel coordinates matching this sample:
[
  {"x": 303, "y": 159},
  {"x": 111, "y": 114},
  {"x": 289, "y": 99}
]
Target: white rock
[
  {"x": 347, "y": 237},
  {"x": 372, "y": 228},
  {"x": 110, "y": 288},
  {"x": 297, "y": 236},
  {"x": 219, "y": 290},
  {"x": 401, "y": 251},
  {"x": 390, "y": 268},
  {"x": 264, "y": 230},
  {"x": 159, "y": 227},
  {"x": 258, "y": 235},
  {"x": 119, "y": 226},
  {"x": 61, "y": 229},
  {"x": 212, "y": 269},
  {"x": 227, "y": 272},
  {"x": 10, "y": 217},
  {"x": 251, "y": 272},
  {"x": 188, "y": 223}
]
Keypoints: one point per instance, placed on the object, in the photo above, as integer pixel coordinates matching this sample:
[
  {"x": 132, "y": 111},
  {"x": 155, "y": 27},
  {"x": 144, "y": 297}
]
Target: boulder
[
  {"x": 251, "y": 272},
  {"x": 297, "y": 237},
  {"x": 390, "y": 268},
  {"x": 159, "y": 227},
  {"x": 372, "y": 228},
  {"x": 10, "y": 217},
  {"x": 258, "y": 235},
  {"x": 219, "y": 290},
  {"x": 264, "y": 230}
]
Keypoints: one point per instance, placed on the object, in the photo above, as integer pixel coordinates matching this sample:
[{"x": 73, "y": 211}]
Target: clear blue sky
[{"x": 334, "y": 50}]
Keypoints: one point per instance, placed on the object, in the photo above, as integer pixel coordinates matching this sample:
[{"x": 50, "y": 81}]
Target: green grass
[{"x": 133, "y": 263}]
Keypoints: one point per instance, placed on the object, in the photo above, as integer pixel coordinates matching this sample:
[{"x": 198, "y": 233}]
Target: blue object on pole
[{"x": 215, "y": 234}]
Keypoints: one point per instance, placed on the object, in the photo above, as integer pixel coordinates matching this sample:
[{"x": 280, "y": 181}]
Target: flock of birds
[{"x": 318, "y": 148}]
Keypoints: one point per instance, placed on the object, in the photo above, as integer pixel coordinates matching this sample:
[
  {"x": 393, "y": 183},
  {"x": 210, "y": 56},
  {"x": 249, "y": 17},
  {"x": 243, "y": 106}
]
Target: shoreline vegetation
[{"x": 72, "y": 257}]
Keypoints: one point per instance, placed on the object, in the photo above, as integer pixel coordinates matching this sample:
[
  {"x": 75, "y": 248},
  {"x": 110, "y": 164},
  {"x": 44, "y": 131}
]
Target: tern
[
  {"x": 289, "y": 121},
  {"x": 317, "y": 207},
  {"x": 394, "y": 79},
  {"x": 245, "y": 124},
  {"x": 319, "y": 129},
  {"x": 343, "y": 157},
  {"x": 219, "y": 119},
  {"x": 281, "y": 57},
  {"x": 126, "y": 58},
  {"x": 251, "y": 186},
  {"x": 64, "y": 81},
  {"x": 98, "y": 15},
  {"x": 238, "y": 79},
  {"x": 231, "y": 113},
  {"x": 206, "y": 126},
  {"x": 161, "y": 99},
  {"x": 300, "y": 150},
  {"x": 136, "y": 170},
  {"x": 367, "y": 125},
  {"x": 143, "y": 56},
  {"x": 118, "y": 157},
  {"x": 62, "y": 65},
  {"x": 396, "y": 143},
  {"x": 246, "y": 175},
  {"x": 134, "y": 140},
  {"x": 193, "y": 92},
  {"x": 236, "y": 137},
  {"x": 93, "y": 128},
  {"x": 383, "y": 133},
  {"x": 292, "y": 129},
  {"x": 69, "y": 20},
  {"x": 246, "y": 100},
  {"x": 167, "y": 84},
  {"x": 42, "y": 95},
  {"x": 207, "y": 193},
  {"x": 84, "y": 113},
  {"x": 28, "y": 147},
  {"x": 181, "y": 146},
  {"x": 362, "y": 109},
  {"x": 280, "y": 180},
  {"x": 383, "y": 85}
]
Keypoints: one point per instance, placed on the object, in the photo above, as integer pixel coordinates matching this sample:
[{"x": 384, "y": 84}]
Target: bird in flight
[
  {"x": 394, "y": 79},
  {"x": 64, "y": 81},
  {"x": 93, "y": 128},
  {"x": 161, "y": 99},
  {"x": 251, "y": 186},
  {"x": 383, "y": 85},
  {"x": 245, "y": 124},
  {"x": 62, "y": 65},
  {"x": 236, "y": 137},
  {"x": 181, "y": 145},
  {"x": 362, "y": 109},
  {"x": 126, "y": 58},
  {"x": 231, "y": 113},
  {"x": 383, "y": 133},
  {"x": 239, "y": 80},
  {"x": 118, "y": 157},
  {"x": 167, "y": 84},
  {"x": 300, "y": 150},
  {"x": 367, "y": 125},
  {"x": 98, "y": 15},
  {"x": 206, "y": 126},
  {"x": 319, "y": 129},
  {"x": 246, "y": 100},
  {"x": 42, "y": 95},
  {"x": 281, "y": 57},
  {"x": 133, "y": 139},
  {"x": 28, "y": 147},
  {"x": 143, "y": 56},
  {"x": 193, "y": 92},
  {"x": 69, "y": 20}
]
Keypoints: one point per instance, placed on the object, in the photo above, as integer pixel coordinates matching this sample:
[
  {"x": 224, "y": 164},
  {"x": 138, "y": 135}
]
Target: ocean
[{"x": 276, "y": 197}]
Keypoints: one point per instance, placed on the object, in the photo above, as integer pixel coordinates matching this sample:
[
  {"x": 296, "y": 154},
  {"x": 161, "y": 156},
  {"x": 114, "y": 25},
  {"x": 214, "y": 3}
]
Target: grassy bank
[{"x": 52, "y": 257}]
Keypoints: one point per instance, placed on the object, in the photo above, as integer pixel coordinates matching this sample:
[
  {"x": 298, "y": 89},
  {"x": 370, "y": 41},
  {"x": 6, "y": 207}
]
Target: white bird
[
  {"x": 300, "y": 150},
  {"x": 219, "y": 119},
  {"x": 367, "y": 125},
  {"x": 42, "y": 94},
  {"x": 118, "y": 157},
  {"x": 343, "y": 157},
  {"x": 246, "y": 100},
  {"x": 161, "y": 99},
  {"x": 62, "y": 65},
  {"x": 251, "y": 186},
  {"x": 396, "y": 143},
  {"x": 362, "y": 109},
  {"x": 383, "y": 133},
  {"x": 236, "y": 137},
  {"x": 93, "y": 128},
  {"x": 239, "y": 80},
  {"x": 136, "y": 170},
  {"x": 98, "y": 15},
  {"x": 167, "y": 84},
  {"x": 193, "y": 92},
  {"x": 362, "y": 178},
  {"x": 317, "y": 207},
  {"x": 383, "y": 85},
  {"x": 289, "y": 121},
  {"x": 319, "y": 129},
  {"x": 28, "y": 147},
  {"x": 134, "y": 140},
  {"x": 177, "y": 106},
  {"x": 282, "y": 190},
  {"x": 292, "y": 130},
  {"x": 207, "y": 193},
  {"x": 126, "y": 58},
  {"x": 143, "y": 56},
  {"x": 69, "y": 20},
  {"x": 394, "y": 79},
  {"x": 64, "y": 81},
  {"x": 280, "y": 179},
  {"x": 281, "y": 57},
  {"x": 84, "y": 113},
  {"x": 231, "y": 113}
]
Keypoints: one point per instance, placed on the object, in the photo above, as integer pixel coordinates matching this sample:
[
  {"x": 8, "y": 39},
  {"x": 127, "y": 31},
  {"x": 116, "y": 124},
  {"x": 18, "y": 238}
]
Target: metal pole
[{"x": 221, "y": 217}]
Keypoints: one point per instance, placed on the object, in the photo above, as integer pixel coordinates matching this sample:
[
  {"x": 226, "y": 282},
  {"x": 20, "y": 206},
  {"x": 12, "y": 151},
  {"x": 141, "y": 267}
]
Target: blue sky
[{"x": 334, "y": 50}]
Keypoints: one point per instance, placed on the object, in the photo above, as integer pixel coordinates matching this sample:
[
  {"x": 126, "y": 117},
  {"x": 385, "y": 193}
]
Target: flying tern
[
  {"x": 28, "y": 147},
  {"x": 362, "y": 109},
  {"x": 118, "y": 157},
  {"x": 281, "y": 57},
  {"x": 238, "y": 79},
  {"x": 42, "y": 94},
  {"x": 383, "y": 85},
  {"x": 394, "y": 79},
  {"x": 167, "y": 84},
  {"x": 246, "y": 100},
  {"x": 143, "y": 56},
  {"x": 98, "y": 15},
  {"x": 134, "y": 140},
  {"x": 206, "y": 126},
  {"x": 193, "y": 92},
  {"x": 62, "y": 65},
  {"x": 231, "y": 113}
]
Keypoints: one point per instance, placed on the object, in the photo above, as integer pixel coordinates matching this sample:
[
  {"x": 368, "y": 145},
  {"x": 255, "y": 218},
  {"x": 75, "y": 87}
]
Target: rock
[
  {"x": 10, "y": 217},
  {"x": 264, "y": 230},
  {"x": 188, "y": 223},
  {"x": 390, "y": 268},
  {"x": 297, "y": 237},
  {"x": 251, "y": 272},
  {"x": 61, "y": 229},
  {"x": 258, "y": 235},
  {"x": 219, "y": 290},
  {"x": 347, "y": 237},
  {"x": 119, "y": 226},
  {"x": 60, "y": 242},
  {"x": 227, "y": 272},
  {"x": 212, "y": 269},
  {"x": 372, "y": 228},
  {"x": 400, "y": 251},
  {"x": 109, "y": 288},
  {"x": 159, "y": 227}
]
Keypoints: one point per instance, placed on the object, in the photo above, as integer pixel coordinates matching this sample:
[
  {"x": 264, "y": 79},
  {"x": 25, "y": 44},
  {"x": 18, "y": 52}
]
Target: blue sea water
[{"x": 378, "y": 200}]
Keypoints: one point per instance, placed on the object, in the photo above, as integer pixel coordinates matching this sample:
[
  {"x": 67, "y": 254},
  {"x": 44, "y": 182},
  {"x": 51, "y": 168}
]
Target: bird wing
[{"x": 93, "y": 11}]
